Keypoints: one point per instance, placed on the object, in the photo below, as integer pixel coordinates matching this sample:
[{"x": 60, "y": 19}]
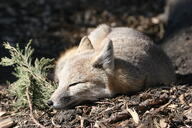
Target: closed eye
[{"x": 73, "y": 84}]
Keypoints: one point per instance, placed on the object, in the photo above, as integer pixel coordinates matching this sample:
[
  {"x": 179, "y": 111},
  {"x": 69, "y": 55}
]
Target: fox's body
[{"x": 107, "y": 62}]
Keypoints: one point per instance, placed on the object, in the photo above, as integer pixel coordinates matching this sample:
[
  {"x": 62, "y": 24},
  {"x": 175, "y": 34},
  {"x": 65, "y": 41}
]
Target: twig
[
  {"x": 161, "y": 108},
  {"x": 118, "y": 117},
  {"x": 45, "y": 113},
  {"x": 149, "y": 103},
  {"x": 31, "y": 109},
  {"x": 55, "y": 125},
  {"x": 81, "y": 121}
]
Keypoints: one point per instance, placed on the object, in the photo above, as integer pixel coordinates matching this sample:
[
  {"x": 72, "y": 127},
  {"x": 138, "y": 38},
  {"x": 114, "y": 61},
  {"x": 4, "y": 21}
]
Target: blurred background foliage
[{"x": 55, "y": 25}]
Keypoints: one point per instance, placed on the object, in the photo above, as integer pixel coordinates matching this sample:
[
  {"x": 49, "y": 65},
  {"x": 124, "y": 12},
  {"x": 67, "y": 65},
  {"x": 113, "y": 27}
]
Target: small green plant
[{"x": 31, "y": 77}]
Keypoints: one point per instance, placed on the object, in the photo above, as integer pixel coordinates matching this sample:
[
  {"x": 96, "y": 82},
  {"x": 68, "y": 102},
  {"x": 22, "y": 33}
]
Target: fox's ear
[
  {"x": 85, "y": 44},
  {"x": 105, "y": 57}
]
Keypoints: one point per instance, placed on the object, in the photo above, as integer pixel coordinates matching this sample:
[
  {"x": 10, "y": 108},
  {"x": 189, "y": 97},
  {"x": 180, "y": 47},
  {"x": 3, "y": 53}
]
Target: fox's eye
[
  {"x": 97, "y": 66},
  {"x": 73, "y": 84}
]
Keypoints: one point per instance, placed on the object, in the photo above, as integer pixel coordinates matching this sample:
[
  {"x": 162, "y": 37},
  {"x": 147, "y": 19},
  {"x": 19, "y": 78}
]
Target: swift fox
[{"x": 109, "y": 61}]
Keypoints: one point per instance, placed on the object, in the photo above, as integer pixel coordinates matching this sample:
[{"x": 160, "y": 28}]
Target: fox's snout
[
  {"x": 50, "y": 103},
  {"x": 62, "y": 102},
  {"x": 77, "y": 93}
]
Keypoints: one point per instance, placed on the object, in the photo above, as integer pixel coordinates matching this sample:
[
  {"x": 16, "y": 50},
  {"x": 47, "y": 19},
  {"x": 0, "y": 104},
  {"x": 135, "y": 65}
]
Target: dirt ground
[{"x": 57, "y": 25}]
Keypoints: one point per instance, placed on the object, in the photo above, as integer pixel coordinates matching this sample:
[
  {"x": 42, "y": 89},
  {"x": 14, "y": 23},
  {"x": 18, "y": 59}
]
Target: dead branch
[
  {"x": 31, "y": 109},
  {"x": 149, "y": 103},
  {"x": 119, "y": 116}
]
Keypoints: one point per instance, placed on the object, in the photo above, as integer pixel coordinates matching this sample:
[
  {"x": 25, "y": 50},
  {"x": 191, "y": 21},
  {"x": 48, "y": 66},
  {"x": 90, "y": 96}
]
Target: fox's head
[{"x": 84, "y": 76}]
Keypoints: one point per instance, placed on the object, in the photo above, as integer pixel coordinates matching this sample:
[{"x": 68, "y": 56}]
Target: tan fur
[
  {"x": 100, "y": 33},
  {"x": 63, "y": 57},
  {"x": 66, "y": 54},
  {"x": 107, "y": 62}
]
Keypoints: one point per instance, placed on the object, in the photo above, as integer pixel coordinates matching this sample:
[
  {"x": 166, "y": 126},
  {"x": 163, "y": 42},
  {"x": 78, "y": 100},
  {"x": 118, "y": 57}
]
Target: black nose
[{"x": 50, "y": 102}]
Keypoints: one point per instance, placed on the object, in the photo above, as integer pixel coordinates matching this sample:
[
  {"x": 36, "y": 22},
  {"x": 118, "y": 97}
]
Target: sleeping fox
[{"x": 107, "y": 62}]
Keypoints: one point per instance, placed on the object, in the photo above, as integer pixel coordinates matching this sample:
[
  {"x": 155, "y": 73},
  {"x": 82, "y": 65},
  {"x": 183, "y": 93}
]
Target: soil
[
  {"x": 177, "y": 41},
  {"x": 57, "y": 25}
]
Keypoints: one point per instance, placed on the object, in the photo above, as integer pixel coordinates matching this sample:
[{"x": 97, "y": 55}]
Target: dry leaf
[
  {"x": 156, "y": 124},
  {"x": 155, "y": 20},
  {"x": 134, "y": 114},
  {"x": 188, "y": 113},
  {"x": 6, "y": 123},
  {"x": 182, "y": 99},
  {"x": 2, "y": 113},
  {"x": 172, "y": 106},
  {"x": 81, "y": 121},
  {"x": 163, "y": 123},
  {"x": 99, "y": 124},
  {"x": 142, "y": 126}
]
